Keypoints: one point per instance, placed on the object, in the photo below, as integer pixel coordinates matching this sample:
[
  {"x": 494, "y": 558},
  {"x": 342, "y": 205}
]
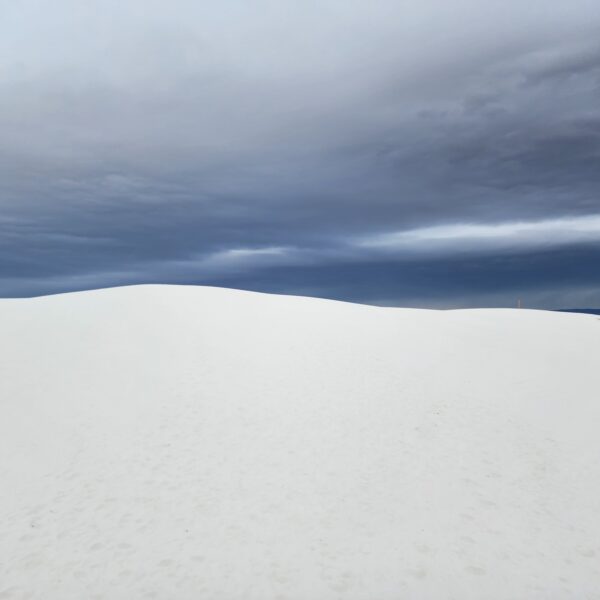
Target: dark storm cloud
[{"x": 256, "y": 143}]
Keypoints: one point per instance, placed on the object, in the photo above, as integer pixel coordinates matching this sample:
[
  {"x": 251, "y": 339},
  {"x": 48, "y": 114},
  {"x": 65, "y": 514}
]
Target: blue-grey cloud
[{"x": 251, "y": 143}]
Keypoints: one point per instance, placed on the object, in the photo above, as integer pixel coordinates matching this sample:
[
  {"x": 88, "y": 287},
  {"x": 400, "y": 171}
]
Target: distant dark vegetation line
[{"x": 590, "y": 311}]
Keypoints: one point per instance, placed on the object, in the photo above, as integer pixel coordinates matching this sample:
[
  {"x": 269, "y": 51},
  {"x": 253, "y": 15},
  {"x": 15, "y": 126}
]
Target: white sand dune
[{"x": 197, "y": 443}]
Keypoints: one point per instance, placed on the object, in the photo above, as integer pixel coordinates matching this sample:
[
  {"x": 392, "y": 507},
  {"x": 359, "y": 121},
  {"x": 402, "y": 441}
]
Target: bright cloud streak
[{"x": 502, "y": 236}]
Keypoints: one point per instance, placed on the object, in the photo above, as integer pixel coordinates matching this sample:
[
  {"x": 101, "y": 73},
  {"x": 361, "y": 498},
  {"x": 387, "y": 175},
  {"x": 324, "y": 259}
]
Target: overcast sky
[{"x": 439, "y": 153}]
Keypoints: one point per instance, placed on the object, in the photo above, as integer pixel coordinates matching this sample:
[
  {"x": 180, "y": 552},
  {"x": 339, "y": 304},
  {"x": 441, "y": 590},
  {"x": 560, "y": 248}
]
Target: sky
[{"x": 439, "y": 154}]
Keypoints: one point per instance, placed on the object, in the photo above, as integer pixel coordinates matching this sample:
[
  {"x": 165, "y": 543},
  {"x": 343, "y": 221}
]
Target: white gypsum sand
[{"x": 190, "y": 443}]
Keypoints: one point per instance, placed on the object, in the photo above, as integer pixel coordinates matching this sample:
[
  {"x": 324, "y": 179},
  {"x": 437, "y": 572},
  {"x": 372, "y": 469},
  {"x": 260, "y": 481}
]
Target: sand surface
[{"x": 190, "y": 443}]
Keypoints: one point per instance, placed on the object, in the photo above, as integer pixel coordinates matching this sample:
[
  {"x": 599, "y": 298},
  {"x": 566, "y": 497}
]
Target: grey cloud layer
[{"x": 139, "y": 142}]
